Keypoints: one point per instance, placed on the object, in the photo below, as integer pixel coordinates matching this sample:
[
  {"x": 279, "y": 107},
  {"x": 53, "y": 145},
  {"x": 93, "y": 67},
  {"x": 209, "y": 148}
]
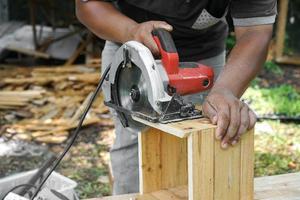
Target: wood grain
[
  {"x": 201, "y": 165},
  {"x": 180, "y": 129},
  {"x": 163, "y": 161},
  {"x": 247, "y": 166},
  {"x": 227, "y": 172}
]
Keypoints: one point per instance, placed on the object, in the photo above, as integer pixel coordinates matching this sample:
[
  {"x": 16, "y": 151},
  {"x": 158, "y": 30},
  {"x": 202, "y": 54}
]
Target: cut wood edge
[{"x": 178, "y": 129}]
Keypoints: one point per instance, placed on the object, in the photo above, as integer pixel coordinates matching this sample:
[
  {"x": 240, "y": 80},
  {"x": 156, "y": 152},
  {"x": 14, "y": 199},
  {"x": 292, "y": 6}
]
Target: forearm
[
  {"x": 245, "y": 60},
  {"x": 104, "y": 20}
]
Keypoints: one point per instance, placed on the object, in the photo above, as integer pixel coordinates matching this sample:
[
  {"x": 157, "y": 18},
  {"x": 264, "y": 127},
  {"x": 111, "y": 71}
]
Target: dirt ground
[{"x": 291, "y": 75}]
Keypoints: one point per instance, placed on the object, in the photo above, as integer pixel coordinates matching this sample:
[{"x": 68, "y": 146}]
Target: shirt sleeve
[{"x": 253, "y": 12}]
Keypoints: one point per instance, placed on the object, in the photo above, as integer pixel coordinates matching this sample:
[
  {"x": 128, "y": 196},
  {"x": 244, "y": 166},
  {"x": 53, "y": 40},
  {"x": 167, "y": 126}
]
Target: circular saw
[{"x": 152, "y": 89}]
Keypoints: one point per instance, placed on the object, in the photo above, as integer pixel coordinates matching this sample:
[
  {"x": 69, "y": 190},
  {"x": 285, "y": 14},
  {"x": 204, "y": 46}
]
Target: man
[{"x": 199, "y": 30}]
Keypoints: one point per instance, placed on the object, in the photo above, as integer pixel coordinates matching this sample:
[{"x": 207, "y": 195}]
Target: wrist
[
  {"x": 221, "y": 89},
  {"x": 130, "y": 32}
]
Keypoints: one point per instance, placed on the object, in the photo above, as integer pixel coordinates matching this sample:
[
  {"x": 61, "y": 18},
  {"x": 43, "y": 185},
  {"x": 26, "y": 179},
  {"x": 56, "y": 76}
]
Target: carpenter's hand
[
  {"x": 232, "y": 116},
  {"x": 142, "y": 33}
]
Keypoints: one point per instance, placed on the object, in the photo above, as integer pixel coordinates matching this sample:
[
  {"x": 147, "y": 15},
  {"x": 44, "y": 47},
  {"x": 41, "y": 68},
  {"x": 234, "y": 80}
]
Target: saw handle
[
  {"x": 184, "y": 78},
  {"x": 167, "y": 49}
]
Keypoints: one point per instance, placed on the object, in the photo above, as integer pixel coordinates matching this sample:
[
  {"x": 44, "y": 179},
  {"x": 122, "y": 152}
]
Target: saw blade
[{"x": 132, "y": 90}]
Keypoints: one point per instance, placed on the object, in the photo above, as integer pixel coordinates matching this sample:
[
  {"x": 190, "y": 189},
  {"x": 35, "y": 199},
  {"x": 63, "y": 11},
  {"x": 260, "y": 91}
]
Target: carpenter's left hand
[{"x": 232, "y": 116}]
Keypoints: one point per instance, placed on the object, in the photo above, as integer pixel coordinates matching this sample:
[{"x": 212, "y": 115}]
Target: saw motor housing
[
  {"x": 157, "y": 96},
  {"x": 184, "y": 77}
]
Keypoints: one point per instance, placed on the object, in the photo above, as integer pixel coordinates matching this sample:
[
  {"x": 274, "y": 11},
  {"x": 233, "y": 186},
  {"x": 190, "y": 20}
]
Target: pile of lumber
[
  {"x": 44, "y": 104},
  {"x": 12, "y": 99}
]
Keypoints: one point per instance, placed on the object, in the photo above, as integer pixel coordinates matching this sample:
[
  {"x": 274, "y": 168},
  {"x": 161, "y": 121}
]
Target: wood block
[{"x": 187, "y": 153}]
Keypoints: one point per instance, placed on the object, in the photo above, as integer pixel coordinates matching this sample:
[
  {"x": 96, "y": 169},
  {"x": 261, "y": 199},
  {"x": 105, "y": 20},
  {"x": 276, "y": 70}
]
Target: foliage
[
  {"x": 282, "y": 100},
  {"x": 88, "y": 184},
  {"x": 271, "y": 66},
  {"x": 230, "y": 42}
]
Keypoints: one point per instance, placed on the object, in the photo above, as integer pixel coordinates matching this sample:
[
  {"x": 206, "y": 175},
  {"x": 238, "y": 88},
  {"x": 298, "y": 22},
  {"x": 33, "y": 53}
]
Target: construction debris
[
  {"x": 59, "y": 43},
  {"x": 44, "y": 104}
]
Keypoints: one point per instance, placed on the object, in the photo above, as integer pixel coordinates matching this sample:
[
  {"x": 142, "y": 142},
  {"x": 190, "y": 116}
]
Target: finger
[
  {"x": 155, "y": 25},
  {"x": 252, "y": 119},
  {"x": 210, "y": 112},
  {"x": 150, "y": 43},
  {"x": 235, "y": 119},
  {"x": 245, "y": 120},
  {"x": 162, "y": 24},
  {"x": 223, "y": 120}
]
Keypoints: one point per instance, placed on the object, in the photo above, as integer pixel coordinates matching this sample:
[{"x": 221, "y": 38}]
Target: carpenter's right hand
[{"x": 143, "y": 33}]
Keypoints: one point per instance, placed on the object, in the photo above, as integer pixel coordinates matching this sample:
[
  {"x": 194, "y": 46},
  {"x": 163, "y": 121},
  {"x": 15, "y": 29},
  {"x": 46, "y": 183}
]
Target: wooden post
[
  {"x": 187, "y": 153},
  {"x": 280, "y": 28}
]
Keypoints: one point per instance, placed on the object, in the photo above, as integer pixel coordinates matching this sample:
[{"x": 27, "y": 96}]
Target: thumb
[
  {"x": 210, "y": 112},
  {"x": 163, "y": 25}
]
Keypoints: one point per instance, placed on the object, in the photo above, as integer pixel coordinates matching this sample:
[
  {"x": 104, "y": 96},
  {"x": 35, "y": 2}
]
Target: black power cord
[
  {"x": 76, "y": 133},
  {"x": 72, "y": 140}
]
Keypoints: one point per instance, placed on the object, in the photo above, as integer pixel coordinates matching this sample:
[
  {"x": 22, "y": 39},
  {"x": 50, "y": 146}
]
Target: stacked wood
[
  {"x": 12, "y": 99},
  {"x": 45, "y": 103}
]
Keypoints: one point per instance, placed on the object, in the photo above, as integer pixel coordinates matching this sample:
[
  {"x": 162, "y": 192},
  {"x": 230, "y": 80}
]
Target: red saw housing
[{"x": 184, "y": 77}]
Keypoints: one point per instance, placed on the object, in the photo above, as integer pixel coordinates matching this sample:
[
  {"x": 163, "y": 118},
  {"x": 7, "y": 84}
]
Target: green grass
[
  {"x": 282, "y": 100},
  {"x": 84, "y": 164},
  {"x": 88, "y": 184}
]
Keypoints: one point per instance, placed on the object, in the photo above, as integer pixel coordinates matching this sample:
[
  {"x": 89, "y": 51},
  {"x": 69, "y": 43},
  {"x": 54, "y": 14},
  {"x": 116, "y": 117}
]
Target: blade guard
[{"x": 186, "y": 77}]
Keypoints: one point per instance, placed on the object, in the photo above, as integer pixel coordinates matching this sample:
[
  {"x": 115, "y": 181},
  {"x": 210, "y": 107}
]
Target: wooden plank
[
  {"x": 247, "y": 166},
  {"x": 26, "y": 93},
  {"x": 145, "y": 197},
  {"x": 174, "y": 161},
  {"x": 84, "y": 77},
  {"x": 281, "y": 26},
  {"x": 166, "y": 195},
  {"x": 163, "y": 160},
  {"x": 280, "y": 187},
  {"x": 119, "y": 197},
  {"x": 291, "y": 60},
  {"x": 201, "y": 165},
  {"x": 149, "y": 161},
  {"x": 180, "y": 129},
  {"x": 29, "y": 52},
  {"x": 227, "y": 172},
  {"x": 180, "y": 192}
]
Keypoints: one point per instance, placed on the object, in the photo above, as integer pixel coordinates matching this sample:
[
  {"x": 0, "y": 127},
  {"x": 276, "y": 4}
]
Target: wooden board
[
  {"x": 163, "y": 160},
  {"x": 281, "y": 26},
  {"x": 215, "y": 173},
  {"x": 280, "y": 187},
  {"x": 180, "y": 129},
  {"x": 201, "y": 150},
  {"x": 247, "y": 172}
]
